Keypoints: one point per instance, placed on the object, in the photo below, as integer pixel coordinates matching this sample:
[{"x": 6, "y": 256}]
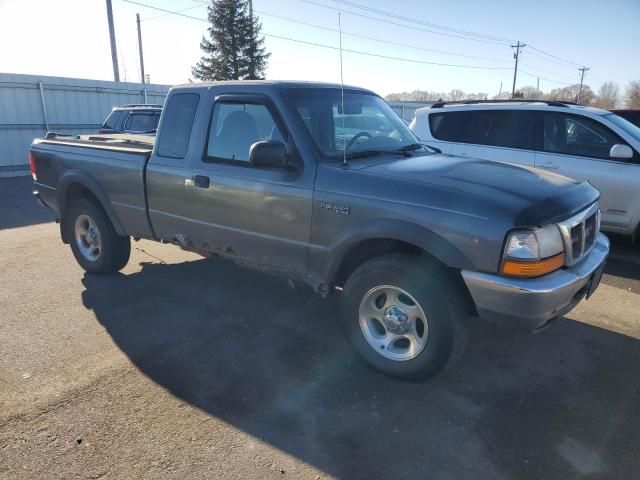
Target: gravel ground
[{"x": 182, "y": 367}]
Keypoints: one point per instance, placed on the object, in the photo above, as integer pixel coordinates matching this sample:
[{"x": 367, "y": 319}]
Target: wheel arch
[
  {"x": 362, "y": 243},
  {"x": 77, "y": 184}
]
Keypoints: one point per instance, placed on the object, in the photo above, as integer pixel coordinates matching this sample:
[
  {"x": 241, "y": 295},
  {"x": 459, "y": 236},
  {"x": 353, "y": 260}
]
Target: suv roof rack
[
  {"x": 150, "y": 105},
  {"x": 551, "y": 103}
]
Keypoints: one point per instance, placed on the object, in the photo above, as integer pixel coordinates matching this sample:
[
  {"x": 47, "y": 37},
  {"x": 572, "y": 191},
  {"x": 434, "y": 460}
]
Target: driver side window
[
  {"x": 237, "y": 126},
  {"x": 577, "y": 136}
]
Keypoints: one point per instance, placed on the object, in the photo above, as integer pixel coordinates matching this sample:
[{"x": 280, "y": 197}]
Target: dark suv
[{"x": 133, "y": 118}]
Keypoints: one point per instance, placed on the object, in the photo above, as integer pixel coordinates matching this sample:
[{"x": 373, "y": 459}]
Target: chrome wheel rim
[
  {"x": 393, "y": 323},
  {"x": 88, "y": 238}
]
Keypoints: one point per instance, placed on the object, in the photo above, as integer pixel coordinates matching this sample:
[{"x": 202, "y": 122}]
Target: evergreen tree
[{"x": 235, "y": 49}]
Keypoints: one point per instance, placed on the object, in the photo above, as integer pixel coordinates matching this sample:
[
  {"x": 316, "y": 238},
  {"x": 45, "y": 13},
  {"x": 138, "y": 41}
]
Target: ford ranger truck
[{"x": 328, "y": 186}]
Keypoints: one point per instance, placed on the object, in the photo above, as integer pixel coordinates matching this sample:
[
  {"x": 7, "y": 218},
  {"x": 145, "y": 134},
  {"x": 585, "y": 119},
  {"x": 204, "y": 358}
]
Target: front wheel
[
  {"x": 405, "y": 317},
  {"x": 94, "y": 242}
]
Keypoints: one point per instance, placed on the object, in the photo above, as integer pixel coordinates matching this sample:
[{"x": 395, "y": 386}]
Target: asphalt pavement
[{"x": 184, "y": 367}]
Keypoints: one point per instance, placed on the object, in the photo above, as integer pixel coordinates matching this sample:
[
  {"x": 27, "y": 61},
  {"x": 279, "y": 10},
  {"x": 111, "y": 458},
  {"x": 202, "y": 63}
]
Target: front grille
[{"x": 579, "y": 234}]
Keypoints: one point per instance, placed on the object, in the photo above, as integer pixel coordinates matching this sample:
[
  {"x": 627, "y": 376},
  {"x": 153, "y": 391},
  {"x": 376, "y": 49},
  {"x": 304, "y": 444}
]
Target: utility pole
[
  {"x": 112, "y": 36},
  {"x": 251, "y": 8},
  {"x": 515, "y": 71},
  {"x": 581, "y": 70},
  {"x": 140, "y": 48}
]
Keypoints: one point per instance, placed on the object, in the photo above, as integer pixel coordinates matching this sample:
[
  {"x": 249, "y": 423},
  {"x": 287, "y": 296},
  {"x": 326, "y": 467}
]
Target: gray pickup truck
[{"x": 329, "y": 187}]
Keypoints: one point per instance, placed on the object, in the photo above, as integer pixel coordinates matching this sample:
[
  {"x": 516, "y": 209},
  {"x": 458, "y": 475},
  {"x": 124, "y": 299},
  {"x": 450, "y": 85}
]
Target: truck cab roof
[{"x": 266, "y": 84}]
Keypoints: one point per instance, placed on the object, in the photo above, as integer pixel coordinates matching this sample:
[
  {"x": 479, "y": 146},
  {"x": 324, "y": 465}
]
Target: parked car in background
[
  {"x": 133, "y": 118},
  {"x": 632, "y": 115},
  {"x": 583, "y": 143},
  {"x": 412, "y": 241}
]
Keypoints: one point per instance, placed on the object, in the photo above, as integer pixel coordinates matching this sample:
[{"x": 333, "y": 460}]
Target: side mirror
[
  {"x": 268, "y": 154},
  {"x": 621, "y": 151}
]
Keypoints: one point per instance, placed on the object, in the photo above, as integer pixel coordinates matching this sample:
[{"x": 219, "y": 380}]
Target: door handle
[
  {"x": 549, "y": 166},
  {"x": 201, "y": 181}
]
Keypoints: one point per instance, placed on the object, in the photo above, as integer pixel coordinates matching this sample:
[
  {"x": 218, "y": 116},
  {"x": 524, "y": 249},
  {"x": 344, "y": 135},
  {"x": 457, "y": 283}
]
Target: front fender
[
  {"x": 328, "y": 260},
  {"x": 87, "y": 181}
]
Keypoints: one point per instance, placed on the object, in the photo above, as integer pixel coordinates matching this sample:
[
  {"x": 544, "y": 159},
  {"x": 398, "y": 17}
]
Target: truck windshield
[{"x": 365, "y": 124}]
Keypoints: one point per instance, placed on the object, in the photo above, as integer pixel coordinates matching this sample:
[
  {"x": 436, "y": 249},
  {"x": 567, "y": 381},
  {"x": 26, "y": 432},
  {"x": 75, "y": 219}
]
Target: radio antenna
[{"x": 344, "y": 143}]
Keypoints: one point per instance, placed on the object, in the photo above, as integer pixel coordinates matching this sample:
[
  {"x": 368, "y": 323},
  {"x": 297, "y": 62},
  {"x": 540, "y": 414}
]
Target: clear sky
[{"x": 70, "y": 38}]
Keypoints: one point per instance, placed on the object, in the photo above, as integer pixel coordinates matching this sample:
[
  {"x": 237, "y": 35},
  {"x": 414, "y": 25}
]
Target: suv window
[
  {"x": 141, "y": 122},
  {"x": 579, "y": 136},
  {"x": 113, "y": 119},
  {"x": 237, "y": 126},
  {"x": 504, "y": 128},
  {"x": 452, "y": 126},
  {"x": 179, "y": 113}
]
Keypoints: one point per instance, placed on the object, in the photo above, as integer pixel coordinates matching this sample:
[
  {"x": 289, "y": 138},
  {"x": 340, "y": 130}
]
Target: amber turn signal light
[{"x": 532, "y": 269}]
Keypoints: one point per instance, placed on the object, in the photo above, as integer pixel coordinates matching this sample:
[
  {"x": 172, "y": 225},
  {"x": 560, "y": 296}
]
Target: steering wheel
[{"x": 355, "y": 138}]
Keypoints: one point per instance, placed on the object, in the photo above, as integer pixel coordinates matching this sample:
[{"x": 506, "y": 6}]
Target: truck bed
[
  {"x": 112, "y": 165},
  {"x": 127, "y": 142}
]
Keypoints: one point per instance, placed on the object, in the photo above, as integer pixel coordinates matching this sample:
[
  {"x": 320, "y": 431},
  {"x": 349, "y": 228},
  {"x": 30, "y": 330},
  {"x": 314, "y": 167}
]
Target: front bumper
[{"x": 532, "y": 302}]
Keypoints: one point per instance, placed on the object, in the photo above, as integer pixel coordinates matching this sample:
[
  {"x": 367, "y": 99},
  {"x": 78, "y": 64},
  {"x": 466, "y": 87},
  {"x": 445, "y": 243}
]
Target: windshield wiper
[
  {"x": 365, "y": 153},
  {"x": 435, "y": 149},
  {"x": 404, "y": 150},
  {"x": 410, "y": 147}
]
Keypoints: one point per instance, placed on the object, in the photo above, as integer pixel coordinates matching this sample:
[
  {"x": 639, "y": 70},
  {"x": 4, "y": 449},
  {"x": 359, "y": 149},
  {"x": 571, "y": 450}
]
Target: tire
[
  {"x": 100, "y": 249},
  {"x": 390, "y": 288}
]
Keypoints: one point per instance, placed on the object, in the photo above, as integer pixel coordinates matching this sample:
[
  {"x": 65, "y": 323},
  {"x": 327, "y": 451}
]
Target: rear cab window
[{"x": 179, "y": 112}]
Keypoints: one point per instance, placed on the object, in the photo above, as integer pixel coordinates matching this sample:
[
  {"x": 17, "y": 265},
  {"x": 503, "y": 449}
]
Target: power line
[
  {"x": 365, "y": 37},
  {"x": 387, "y": 22},
  {"x": 421, "y": 22},
  {"x": 546, "y": 59},
  {"x": 168, "y": 12},
  {"x": 481, "y": 37},
  {"x": 181, "y": 10},
  {"x": 544, "y": 71},
  {"x": 545, "y": 79},
  {"x": 358, "y": 52},
  {"x": 553, "y": 56}
]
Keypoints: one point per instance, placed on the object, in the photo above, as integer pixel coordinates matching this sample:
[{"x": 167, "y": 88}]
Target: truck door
[
  {"x": 259, "y": 215},
  {"x": 167, "y": 170}
]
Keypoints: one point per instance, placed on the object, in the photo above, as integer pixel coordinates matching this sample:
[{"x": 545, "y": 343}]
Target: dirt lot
[{"x": 182, "y": 367}]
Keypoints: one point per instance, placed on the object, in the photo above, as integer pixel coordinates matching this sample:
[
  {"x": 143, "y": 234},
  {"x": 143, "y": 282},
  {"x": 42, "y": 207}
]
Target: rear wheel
[
  {"x": 94, "y": 242},
  {"x": 405, "y": 317}
]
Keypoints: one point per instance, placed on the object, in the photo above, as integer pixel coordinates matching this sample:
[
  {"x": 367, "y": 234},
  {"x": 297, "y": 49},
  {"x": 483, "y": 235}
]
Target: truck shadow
[
  {"x": 19, "y": 207},
  {"x": 244, "y": 348}
]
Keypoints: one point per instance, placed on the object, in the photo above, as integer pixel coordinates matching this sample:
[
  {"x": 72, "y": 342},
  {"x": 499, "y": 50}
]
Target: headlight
[{"x": 531, "y": 253}]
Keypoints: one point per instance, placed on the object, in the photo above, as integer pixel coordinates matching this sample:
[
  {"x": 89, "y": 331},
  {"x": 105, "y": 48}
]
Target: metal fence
[
  {"x": 407, "y": 109},
  {"x": 31, "y": 105}
]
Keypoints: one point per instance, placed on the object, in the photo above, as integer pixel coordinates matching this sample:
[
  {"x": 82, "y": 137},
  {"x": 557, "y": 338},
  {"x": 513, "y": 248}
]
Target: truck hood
[{"x": 532, "y": 196}]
